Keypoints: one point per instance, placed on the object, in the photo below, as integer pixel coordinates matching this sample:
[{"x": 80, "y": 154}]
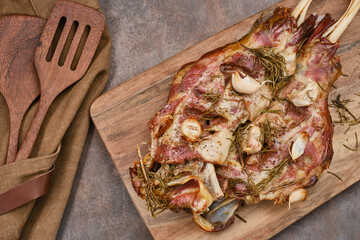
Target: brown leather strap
[{"x": 25, "y": 192}]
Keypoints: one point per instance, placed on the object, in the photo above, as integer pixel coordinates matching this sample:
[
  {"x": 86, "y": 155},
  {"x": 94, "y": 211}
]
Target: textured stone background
[{"x": 145, "y": 33}]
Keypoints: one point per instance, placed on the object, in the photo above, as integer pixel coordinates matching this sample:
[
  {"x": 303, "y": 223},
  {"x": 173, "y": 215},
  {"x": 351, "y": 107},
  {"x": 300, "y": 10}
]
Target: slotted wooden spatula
[
  {"x": 19, "y": 82},
  {"x": 66, "y": 48}
]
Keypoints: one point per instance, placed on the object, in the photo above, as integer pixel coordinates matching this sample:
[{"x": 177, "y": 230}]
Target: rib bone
[
  {"x": 344, "y": 21},
  {"x": 330, "y": 29},
  {"x": 300, "y": 10},
  {"x": 303, "y": 13}
]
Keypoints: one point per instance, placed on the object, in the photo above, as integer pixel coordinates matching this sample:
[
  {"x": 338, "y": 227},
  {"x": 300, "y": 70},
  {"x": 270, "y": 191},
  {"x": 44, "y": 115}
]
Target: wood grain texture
[
  {"x": 19, "y": 82},
  {"x": 121, "y": 115},
  {"x": 56, "y": 71}
]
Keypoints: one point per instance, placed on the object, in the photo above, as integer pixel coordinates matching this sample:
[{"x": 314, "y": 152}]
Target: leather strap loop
[{"x": 26, "y": 192}]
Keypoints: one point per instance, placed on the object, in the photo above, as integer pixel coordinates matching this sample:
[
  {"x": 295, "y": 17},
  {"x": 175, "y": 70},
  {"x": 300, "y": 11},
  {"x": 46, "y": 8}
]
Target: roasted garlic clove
[
  {"x": 165, "y": 123},
  {"x": 203, "y": 223},
  {"x": 191, "y": 129},
  {"x": 297, "y": 195},
  {"x": 255, "y": 140},
  {"x": 299, "y": 145},
  {"x": 245, "y": 85},
  {"x": 306, "y": 96}
]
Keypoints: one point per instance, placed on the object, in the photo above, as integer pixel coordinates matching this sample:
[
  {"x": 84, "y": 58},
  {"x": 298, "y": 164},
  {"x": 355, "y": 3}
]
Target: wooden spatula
[
  {"x": 66, "y": 48},
  {"x": 19, "y": 82}
]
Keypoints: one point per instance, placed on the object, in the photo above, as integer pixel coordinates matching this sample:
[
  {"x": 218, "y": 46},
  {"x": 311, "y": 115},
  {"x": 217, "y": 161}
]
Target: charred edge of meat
[
  {"x": 136, "y": 187},
  {"x": 176, "y": 83},
  {"x": 220, "y": 227},
  {"x": 221, "y": 214},
  {"x": 280, "y": 13},
  {"x": 329, "y": 127},
  {"x": 164, "y": 125},
  {"x": 323, "y": 25},
  {"x": 329, "y": 152},
  {"x": 304, "y": 30},
  {"x": 229, "y": 68},
  {"x": 312, "y": 181},
  {"x": 263, "y": 16},
  {"x": 167, "y": 110},
  {"x": 268, "y": 21},
  {"x": 335, "y": 62}
]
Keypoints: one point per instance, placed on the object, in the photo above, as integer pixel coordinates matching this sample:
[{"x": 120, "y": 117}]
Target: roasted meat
[{"x": 246, "y": 122}]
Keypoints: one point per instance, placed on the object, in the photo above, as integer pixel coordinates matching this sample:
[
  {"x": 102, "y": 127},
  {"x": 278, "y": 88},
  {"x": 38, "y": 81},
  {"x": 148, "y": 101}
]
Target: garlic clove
[
  {"x": 299, "y": 145},
  {"x": 252, "y": 159},
  {"x": 313, "y": 91},
  {"x": 164, "y": 125},
  {"x": 254, "y": 140},
  {"x": 297, "y": 195},
  {"x": 203, "y": 223},
  {"x": 306, "y": 96},
  {"x": 300, "y": 102},
  {"x": 246, "y": 85},
  {"x": 191, "y": 129}
]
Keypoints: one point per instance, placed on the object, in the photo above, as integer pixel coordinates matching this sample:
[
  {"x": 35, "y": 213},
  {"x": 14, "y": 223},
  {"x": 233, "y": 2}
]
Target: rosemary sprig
[
  {"x": 335, "y": 175},
  {"x": 262, "y": 95},
  {"x": 268, "y": 132},
  {"x": 286, "y": 185},
  {"x": 346, "y": 130},
  {"x": 280, "y": 99},
  {"x": 320, "y": 86},
  {"x": 341, "y": 108},
  {"x": 152, "y": 184},
  {"x": 268, "y": 110},
  {"x": 206, "y": 116},
  {"x": 272, "y": 174},
  {"x": 233, "y": 181},
  {"x": 240, "y": 218},
  {"x": 255, "y": 189},
  {"x": 275, "y": 67},
  {"x": 266, "y": 149},
  {"x": 356, "y": 144},
  {"x": 351, "y": 149},
  {"x": 237, "y": 140},
  {"x": 209, "y": 116},
  {"x": 212, "y": 97}
]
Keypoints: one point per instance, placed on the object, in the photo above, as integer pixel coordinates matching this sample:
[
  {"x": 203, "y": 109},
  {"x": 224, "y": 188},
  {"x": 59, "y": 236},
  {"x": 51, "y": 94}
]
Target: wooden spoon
[
  {"x": 19, "y": 82},
  {"x": 66, "y": 48}
]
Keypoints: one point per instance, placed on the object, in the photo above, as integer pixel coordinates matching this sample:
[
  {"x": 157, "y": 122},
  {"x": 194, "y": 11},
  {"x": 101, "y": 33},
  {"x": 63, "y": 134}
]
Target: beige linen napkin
[{"x": 66, "y": 124}]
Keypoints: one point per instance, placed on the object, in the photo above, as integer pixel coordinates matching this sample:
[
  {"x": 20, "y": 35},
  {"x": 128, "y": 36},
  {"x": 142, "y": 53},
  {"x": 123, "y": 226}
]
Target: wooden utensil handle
[
  {"x": 33, "y": 131},
  {"x": 15, "y": 124}
]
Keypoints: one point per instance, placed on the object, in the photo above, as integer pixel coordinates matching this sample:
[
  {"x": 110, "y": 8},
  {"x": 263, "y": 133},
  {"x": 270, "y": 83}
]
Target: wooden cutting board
[{"x": 121, "y": 117}]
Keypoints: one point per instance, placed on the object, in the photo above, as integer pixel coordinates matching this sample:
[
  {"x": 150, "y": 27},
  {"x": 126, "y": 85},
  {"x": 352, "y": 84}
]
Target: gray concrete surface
[{"x": 145, "y": 33}]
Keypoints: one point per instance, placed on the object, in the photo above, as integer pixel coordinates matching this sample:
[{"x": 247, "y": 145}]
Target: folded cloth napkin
[{"x": 66, "y": 124}]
